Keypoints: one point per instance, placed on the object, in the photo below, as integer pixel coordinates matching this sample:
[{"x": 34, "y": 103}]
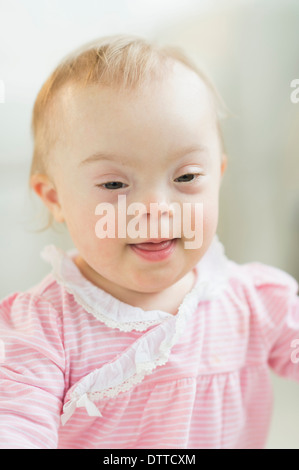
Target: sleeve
[
  {"x": 31, "y": 373},
  {"x": 278, "y": 306}
]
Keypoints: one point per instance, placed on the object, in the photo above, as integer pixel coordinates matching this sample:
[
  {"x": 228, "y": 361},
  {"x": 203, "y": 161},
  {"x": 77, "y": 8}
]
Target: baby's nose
[
  {"x": 157, "y": 204},
  {"x": 152, "y": 190},
  {"x": 154, "y": 207}
]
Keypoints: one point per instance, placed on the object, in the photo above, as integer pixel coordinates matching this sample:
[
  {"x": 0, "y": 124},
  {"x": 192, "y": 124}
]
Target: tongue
[{"x": 154, "y": 246}]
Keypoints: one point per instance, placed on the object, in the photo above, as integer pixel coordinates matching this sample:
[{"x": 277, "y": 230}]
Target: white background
[{"x": 250, "y": 48}]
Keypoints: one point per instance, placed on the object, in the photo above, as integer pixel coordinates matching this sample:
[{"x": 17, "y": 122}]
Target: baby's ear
[{"x": 46, "y": 190}]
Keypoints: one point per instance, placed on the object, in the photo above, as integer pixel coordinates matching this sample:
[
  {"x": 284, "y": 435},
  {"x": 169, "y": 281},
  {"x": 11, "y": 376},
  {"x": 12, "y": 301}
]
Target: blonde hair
[{"x": 121, "y": 61}]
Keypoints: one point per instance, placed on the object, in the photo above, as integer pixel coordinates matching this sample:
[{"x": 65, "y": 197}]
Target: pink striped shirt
[{"x": 81, "y": 369}]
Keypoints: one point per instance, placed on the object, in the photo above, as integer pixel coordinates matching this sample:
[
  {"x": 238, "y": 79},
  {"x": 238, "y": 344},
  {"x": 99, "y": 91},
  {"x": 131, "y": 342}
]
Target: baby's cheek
[
  {"x": 104, "y": 222},
  {"x": 81, "y": 222},
  {"x": 205, "y": 220},
  {"x": 201, "y": 214}
]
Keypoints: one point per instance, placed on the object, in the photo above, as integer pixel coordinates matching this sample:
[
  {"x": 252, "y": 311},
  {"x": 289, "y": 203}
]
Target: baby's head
[{"x": 121, "y": 122}]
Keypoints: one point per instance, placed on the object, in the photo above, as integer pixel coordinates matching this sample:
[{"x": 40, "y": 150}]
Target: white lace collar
[{"x": 211, "y": 277}]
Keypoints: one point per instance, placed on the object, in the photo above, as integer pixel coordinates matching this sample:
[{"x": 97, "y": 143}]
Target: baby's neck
[{"x": 167, "y": 300}]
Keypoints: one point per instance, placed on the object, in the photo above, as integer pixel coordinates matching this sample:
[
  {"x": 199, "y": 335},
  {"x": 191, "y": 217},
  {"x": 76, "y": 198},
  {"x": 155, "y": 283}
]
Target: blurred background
[{"x": 250, "y": 49}]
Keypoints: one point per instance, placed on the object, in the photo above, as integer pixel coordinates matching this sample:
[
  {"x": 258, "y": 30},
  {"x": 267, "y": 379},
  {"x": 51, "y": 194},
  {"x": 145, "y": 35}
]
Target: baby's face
[{"x": 152, "y": 146}]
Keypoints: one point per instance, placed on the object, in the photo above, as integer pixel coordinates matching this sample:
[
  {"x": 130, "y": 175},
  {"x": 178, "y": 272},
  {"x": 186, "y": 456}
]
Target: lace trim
[
  {"x": 126, "y": 327},
  {"x": 89, "y": 386}
]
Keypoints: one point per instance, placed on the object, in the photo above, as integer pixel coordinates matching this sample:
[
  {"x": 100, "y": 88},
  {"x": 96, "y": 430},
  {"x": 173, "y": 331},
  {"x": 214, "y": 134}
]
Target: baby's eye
[
  {"x": 187, "y": 177},
  {"x": 112, "y": 185}
]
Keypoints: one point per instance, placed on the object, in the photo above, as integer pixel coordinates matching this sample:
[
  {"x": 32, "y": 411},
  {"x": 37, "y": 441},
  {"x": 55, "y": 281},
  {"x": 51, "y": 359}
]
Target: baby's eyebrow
[{"x": 99, "y": 156}]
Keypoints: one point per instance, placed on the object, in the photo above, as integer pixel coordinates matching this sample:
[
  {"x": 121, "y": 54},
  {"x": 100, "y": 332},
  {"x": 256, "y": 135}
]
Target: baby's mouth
[
  {"x": 155, "y": 244},
  {"x": 155, "y": 250}
]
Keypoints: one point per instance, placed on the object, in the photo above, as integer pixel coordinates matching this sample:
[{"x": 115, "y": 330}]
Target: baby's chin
[{"x": 155, "y": 283}]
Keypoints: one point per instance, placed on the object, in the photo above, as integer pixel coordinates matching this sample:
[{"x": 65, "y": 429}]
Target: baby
[{"x": 139, "y": 338}]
